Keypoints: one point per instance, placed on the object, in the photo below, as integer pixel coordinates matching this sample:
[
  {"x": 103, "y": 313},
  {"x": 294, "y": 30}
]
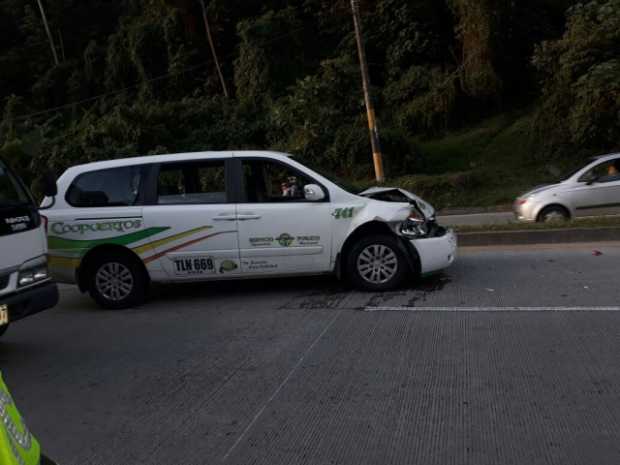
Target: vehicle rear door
[
  {"x": 193, "y": 206},
  {"x": 100, "y": 207},
  {"x": 280, "y": 232}
]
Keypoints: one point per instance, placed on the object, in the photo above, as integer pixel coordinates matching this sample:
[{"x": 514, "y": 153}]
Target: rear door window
[
  {"x": 116, "y": 187},
  {"x": 192, "y": 183}
]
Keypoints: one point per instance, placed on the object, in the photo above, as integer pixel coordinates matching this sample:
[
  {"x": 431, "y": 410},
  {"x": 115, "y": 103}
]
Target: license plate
[
  {"x": 194, "y": 266},
  {"x": 4, "y": 315}
]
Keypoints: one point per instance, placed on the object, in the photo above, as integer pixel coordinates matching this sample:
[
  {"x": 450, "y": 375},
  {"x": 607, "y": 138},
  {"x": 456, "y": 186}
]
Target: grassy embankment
[
  {"x": 603, "y": 222},
  {"x": 483, "y": 166}
]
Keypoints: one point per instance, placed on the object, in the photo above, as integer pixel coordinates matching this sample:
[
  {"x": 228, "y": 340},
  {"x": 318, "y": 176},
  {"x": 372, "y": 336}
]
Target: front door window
[{"x": 271, "y": 182}]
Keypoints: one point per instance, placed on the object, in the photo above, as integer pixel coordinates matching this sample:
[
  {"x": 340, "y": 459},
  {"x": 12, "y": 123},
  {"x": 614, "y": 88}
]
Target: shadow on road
[{"x": 311, "y": 292}]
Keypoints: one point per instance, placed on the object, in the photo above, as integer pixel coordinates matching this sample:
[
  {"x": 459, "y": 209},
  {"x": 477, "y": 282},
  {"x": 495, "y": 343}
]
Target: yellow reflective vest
[{"x": 17, "y": 446}]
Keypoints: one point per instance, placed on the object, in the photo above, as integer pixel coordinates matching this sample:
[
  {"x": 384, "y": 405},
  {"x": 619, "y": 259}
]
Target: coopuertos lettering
[{"x": 83, "y": 228}]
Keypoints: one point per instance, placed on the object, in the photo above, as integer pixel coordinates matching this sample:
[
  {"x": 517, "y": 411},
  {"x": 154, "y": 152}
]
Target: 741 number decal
[{"x": 343, "y": 213}]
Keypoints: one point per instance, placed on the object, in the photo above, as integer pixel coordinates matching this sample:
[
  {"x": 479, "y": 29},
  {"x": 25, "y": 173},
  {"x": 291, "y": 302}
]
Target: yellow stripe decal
[
  {"x": 166, "y": 240},
  {"x": 56, "y": 261}
]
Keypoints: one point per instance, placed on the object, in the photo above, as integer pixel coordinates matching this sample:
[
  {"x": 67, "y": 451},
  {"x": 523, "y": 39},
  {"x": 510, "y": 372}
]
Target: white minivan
[
  {"x": 25, "y": 287},
  {"x": 119, "y": 225}
]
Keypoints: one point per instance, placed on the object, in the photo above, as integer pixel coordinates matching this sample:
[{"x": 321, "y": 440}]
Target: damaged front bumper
[
  {"x": 436, "y": 252},
  {"x": 435, "y": 245}
]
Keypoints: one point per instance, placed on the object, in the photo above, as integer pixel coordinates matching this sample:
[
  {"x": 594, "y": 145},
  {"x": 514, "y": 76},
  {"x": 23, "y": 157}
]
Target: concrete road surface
[
  {"x": 510, "y": 357},
  {"x": 475, "y": 219}
]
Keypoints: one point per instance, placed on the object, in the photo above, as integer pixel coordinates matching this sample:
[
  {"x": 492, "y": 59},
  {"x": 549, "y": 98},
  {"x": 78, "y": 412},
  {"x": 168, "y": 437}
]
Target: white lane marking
[
  {"x": 282, "y": 384},
  {"x": 491, "y": 309}
]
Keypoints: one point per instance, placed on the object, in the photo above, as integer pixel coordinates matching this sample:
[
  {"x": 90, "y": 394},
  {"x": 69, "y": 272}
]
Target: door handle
[
  {"x": 248, "y": 216},
  {"x": 225, "y": 218}
]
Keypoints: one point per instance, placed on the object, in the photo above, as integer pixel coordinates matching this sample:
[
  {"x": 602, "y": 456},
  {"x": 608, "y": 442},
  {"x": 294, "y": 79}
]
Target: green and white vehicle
[{"x": 119, "y": 225}]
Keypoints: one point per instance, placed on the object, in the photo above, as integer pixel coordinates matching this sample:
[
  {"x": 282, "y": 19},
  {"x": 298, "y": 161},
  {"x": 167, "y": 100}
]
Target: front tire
[
  {"x": 117, "y": 282},
  {"x": 3, "y": 329},
  {"x": 553, "y": 214},
  {"x": 377, "y": 263}
]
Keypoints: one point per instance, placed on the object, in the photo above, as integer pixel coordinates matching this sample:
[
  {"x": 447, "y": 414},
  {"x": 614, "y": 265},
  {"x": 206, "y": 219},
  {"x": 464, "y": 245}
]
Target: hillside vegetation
[{"x": 476, "y": 99}]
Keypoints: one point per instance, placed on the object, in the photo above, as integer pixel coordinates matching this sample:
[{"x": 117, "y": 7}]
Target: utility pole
[
  {"x": 212, "y": 45},
  {"x": 372, "y": 121},
  {"x": 49, "y": 34},
  {"x": 62, "y": 46}
]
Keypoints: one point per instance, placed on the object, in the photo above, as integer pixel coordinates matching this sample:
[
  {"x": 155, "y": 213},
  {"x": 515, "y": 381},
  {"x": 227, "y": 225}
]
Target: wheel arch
[
  {"x": 556, "y": 205},
  {"x": 83, "y": 272},
  {"x": 376, "y": 227}
]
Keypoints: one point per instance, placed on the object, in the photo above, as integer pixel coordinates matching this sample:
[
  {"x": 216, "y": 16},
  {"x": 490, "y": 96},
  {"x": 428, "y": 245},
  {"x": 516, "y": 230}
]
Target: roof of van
[{"x": 147, "y": 159}]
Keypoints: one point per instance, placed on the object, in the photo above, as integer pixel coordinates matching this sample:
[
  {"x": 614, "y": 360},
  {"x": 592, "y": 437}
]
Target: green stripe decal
[{"x": 55, "y": 242}]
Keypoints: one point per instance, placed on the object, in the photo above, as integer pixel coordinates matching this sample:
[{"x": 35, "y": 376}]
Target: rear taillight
[{"x": 44, "y": 220}]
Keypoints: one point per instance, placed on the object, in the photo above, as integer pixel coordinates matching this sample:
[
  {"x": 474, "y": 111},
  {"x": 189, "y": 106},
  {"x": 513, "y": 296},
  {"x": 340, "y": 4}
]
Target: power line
[
  {"x": 155, "y": 79},
  {"x": 205, "y": 18},
  {"x": 109, "y": 94},
  {"x": 48, "y": 32}
]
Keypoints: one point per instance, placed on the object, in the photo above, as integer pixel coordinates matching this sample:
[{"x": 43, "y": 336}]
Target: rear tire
[
  {"x": 552, "y": 214},
  {"x": 117, "y": 282},
  {"x": 377, "y": 263}
]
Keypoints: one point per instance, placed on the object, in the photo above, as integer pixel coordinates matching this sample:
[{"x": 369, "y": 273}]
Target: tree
[{"x": 580, "y": 76}]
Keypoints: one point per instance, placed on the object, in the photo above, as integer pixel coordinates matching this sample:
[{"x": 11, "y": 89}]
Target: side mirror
[
  {"x": 48, "y": 184},
  {"x": 591, "y": 181},
  {"x": 314, "y": 193}
]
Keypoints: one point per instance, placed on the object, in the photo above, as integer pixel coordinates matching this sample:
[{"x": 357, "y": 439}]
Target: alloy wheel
[
  {"x": 114, "y": 281},
  {"x": 377, "y": 264}
]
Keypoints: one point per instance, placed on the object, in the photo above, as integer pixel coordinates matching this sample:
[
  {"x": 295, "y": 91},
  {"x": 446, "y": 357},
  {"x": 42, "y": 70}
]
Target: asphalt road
[
  {"x": 510, "y": 357},
  {"x": 475, "y": 219}
]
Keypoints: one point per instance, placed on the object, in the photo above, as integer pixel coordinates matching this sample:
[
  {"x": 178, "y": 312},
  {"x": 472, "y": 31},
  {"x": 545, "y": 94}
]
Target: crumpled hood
[{"x": 395, "y": 194}]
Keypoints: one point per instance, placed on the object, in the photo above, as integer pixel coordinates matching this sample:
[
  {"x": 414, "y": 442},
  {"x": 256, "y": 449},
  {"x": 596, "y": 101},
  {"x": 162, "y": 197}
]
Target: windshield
[
  {"x": 574, "y": 168},
  {"x": 12, "y": 193},
  {"x": 340, "y": 182}
]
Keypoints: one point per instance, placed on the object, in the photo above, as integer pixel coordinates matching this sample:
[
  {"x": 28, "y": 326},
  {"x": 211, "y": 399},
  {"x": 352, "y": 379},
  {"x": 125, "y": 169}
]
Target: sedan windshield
[
  {"x": 574, "y": 168},
  {"x": 12, "y": 193}
]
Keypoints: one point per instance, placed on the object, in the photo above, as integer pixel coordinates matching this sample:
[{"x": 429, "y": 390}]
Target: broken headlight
[{"x": 416, "y": 226}]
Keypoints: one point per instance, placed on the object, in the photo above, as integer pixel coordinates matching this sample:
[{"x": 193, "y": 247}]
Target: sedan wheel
[{"x": 553, "y": 215}]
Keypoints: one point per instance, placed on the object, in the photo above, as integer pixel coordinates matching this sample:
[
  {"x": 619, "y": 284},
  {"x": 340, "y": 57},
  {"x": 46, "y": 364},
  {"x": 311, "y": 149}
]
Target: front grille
[{"x": 4, "y": 281}]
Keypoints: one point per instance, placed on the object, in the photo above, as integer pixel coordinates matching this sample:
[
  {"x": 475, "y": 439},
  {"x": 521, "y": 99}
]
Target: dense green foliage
[
  {"x": 581, "y": 81},
  {"x": 137, "y": 77}
]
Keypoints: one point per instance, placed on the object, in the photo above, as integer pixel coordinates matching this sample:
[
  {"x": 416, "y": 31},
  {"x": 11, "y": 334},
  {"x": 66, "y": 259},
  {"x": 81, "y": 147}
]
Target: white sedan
[{"x": 592, "y": 190}]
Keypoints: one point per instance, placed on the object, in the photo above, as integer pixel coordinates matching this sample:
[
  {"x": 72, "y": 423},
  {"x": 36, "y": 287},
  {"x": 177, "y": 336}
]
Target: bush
[
  {"x": 423, "y": 99},
  {"x": 445, "y": 190},
  {"x": 322, "y": 120}
]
